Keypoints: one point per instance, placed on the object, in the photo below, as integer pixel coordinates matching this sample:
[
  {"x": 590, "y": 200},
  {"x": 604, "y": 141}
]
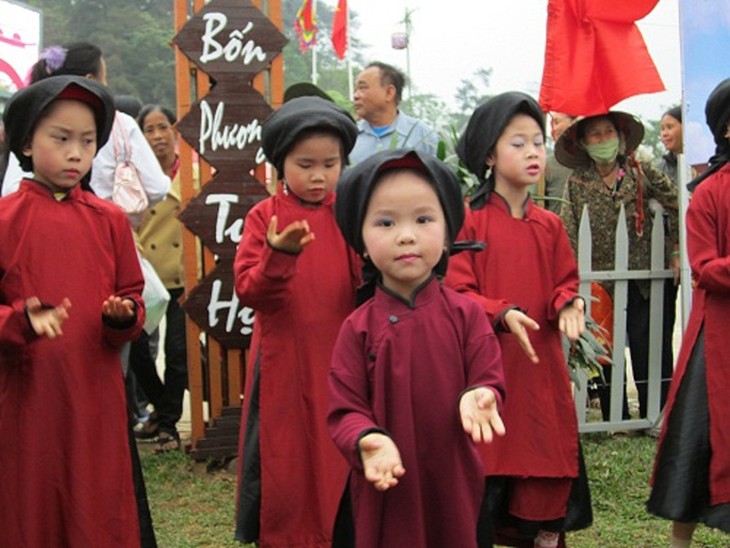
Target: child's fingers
[
  {"x": 495, "y": 421},
  {"x": 271, "y": 231},
  {"x": 524, "y": 341}
]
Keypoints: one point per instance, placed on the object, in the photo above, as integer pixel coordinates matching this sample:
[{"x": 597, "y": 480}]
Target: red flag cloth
[
  {"x": 595, "y": 56},
  {"x": 305, "y": 26},
  {"x": 339, "y": 29}
]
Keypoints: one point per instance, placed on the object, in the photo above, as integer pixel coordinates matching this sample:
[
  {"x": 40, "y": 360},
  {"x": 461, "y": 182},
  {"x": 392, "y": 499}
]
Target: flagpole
[{"x": 315, "y": 76}]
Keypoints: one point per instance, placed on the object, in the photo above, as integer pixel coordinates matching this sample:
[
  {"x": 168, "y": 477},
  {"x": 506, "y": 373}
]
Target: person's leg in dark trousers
[
  {"x": 142, "y": 363},
  {"x": 637, "y": 327},
  {"x": 169, "y": 410}
]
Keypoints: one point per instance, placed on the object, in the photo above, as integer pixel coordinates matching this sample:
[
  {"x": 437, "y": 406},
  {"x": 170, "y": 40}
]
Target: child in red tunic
[
  {"x": 691, "y": 480},
  {"x": 526, "y": 281},
  {"x": 70, "y": 287},
  {"x": 298, "y": 274},
  {"x": 416, "y": 374}
]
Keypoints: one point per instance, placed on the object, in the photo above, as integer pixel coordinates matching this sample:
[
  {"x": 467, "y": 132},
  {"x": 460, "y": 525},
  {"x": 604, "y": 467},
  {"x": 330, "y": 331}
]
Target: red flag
[
  {"x": 305, "y": 26},
  {"x": 595, "y": 56},
  {"x": 339, "y": 29}
]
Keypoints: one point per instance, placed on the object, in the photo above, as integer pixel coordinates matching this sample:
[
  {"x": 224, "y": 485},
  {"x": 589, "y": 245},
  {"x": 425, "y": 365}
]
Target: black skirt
[{"x": 681, "y": 490}]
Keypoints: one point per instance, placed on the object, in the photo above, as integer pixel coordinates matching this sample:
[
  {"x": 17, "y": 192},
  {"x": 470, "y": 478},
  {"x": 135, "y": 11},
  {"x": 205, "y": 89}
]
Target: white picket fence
[{"x": 621, "y": 276}]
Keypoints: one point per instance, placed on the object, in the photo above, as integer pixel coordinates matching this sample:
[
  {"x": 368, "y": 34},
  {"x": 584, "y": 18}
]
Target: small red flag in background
[
  {"x": 305, "y": 26},
  {"x": 339, "y": 29},
  {"x": 595, "y": 56}
]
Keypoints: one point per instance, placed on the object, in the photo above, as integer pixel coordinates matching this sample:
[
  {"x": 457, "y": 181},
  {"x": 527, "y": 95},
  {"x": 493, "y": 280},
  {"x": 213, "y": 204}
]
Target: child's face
[
  {"x": 519, "y": 155},
  {"x": 312, "y": 167},
  {"x": 404, "y": 231},
  {"x": 159, "y": 134},
  {"x": 63, "y": 145}
]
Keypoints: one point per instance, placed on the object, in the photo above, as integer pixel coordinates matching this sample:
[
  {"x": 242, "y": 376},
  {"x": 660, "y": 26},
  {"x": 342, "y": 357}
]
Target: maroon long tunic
[
  {"x": 300, "y": 302},
  {"x": 65, "y": 468},
  {"x": 528, "y": 263},
  {"x": 708, "y": 246},
  {"x": 402, "y": 367}
]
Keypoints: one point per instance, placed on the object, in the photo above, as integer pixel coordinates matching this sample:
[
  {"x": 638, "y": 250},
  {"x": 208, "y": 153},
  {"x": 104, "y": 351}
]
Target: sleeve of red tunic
[
  {"x": 129, "y": 278},
  {"x": 565, "y": 272},
  {"x": 350, "y": 413},
  {"x": 711, "y": 270},
  {"x": 261, "y": 273},
  {"x": 483, "y": 356},
  {"x": 15, "y": 329},
  {"x": 462, "y": 272}
]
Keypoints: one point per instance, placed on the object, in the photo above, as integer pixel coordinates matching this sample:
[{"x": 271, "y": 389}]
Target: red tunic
[
  {"x": 402, "y": 367},
  {"x": 528, "y": 263},
  {"x": 300, "y": 302},
  {"x": 708, "y": 246},
  {"x": 65, "y": 468}
]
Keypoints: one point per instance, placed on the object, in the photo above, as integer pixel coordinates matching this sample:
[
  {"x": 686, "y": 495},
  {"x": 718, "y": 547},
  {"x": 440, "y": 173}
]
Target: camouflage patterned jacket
[{"x": 585, "y": 187}]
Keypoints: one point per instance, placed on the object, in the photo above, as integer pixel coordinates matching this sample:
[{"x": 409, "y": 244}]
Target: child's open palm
[
  {"x": 290, "y": 240},
  {"x": 479, "y": 415},
  {"x": 46, "y": 322},
  {"x": 381, "y": 461},
  {"x": 118, "y": 309},
  {"x": 572, "y": 319}
]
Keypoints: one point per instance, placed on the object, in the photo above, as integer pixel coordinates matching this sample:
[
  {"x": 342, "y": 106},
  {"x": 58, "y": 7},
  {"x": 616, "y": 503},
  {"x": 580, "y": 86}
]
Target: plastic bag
[{"x": 155, "y": 296}]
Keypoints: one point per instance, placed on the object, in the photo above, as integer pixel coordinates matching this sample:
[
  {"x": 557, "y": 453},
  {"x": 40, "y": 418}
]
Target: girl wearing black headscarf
[
  {"x": 526, "y": 280},
  {"x": 416, "y": 374},
  {"x": 296, "y": 271},
  {"x": 691, "y": 480}
]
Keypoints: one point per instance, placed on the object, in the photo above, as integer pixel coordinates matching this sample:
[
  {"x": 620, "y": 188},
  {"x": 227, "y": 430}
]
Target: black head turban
[
  {"x": 26, "y": 107},
  {"x": 357, "y": 183},
  {"x": 483, "y": 131},
  {"x": 285, "y": 126},
  {"x": 717, "y": 114}
]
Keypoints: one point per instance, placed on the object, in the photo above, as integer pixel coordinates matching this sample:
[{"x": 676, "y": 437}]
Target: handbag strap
[{"x": 119, "y": 128}]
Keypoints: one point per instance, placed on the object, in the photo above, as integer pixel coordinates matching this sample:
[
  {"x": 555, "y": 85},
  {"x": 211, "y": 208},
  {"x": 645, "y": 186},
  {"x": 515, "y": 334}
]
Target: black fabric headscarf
[
  {"x": 285, "y": 126},
  {"x": 717, "y": 114},
  {"x": 356, "y": 186},
  {"x": 28, "y": 105},
  {"x": 483, "y": 131}
]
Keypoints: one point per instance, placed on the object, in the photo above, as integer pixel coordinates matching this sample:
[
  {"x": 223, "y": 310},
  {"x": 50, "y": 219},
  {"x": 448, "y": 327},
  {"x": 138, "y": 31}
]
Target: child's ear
[
  {"x": 490, "y": 160},
  {"x": 26, "y": 150}
]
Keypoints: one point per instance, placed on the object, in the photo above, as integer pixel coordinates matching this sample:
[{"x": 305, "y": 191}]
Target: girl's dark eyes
[
  {"x": 423, "y": 219},
  {"x": 384, "y": 222}
]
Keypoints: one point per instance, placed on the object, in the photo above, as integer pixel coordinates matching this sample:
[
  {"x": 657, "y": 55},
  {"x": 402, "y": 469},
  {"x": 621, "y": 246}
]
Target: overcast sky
[{"x": 451, "y": 39}]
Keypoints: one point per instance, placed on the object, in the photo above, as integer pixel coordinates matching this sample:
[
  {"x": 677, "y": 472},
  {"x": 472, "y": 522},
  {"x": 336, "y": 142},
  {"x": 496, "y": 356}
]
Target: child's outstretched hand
[
  {"x": 518, "y": 323},
  {"x": 290, "y": 240},
  {"x": 46, "y": 322},
  {"x": 479, "y": 415},
  {"x": 572, "y": 319},
  {"x": 118, "y": 309},
  {"x": 381, "y": 461}
]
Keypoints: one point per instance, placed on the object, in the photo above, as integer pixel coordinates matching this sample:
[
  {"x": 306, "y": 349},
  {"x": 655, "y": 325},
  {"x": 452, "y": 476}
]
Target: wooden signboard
[
  {"x": 231, "y": 41},
  {"x": 230, "y": 38}
]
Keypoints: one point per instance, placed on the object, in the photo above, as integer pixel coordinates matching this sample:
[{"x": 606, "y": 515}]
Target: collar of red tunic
[
  {"x": 426, "y": 292},
  {"x": 496, "y": 199},
  {"x": 31, "y": 185}
]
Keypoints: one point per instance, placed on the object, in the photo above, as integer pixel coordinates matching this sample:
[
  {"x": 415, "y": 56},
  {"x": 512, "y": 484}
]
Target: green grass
[{"x": 192, "y": 507}]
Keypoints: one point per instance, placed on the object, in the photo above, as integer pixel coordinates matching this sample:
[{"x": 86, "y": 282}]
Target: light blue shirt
[{"x": 404, "y": 132}]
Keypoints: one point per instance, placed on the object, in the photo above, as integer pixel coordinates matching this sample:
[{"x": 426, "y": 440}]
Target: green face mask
[{"x": 603, "y": 153}]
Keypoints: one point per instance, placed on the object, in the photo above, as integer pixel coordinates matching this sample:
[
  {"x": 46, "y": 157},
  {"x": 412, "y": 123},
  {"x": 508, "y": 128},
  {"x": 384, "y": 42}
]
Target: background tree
[{"x": 134, "y": 36}]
